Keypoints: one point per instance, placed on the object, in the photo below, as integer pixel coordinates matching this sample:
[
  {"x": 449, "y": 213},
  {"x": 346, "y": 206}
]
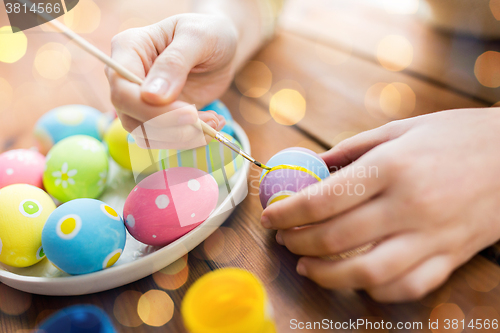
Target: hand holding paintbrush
[{"x": 153, "y": 85}]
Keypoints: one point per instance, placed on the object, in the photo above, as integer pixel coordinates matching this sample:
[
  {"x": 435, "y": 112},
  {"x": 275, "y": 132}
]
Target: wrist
[{"x": 244, "y": 17}]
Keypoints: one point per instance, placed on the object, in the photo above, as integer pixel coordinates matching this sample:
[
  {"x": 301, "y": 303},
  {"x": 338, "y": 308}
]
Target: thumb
[
  {"x": 166, "y": 78},
  {"x": 349, "y": 150}
]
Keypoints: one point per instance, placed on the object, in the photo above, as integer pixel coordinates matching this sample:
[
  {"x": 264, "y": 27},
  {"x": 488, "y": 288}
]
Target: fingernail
[
  {"x": 279, "y": 238},
  {"x": 266, "y": 223},
  {"x": 301, "y": 269},
  {"x": 157, "y": 86}
]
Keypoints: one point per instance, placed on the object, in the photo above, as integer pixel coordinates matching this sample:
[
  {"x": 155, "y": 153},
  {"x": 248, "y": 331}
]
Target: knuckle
[
  {"x": 311, "y": 208},
  {"x": 330, "y": 243},
  {"x": 117, "y": 97},
  {"x": 124, "y": 37},
  {"x": 128, "y": 124},
  {"x": 174, "y": 58},
  {"x": 322, "y": 280},
  {"x": 396, "y": 166},
  {"x": 413, "y": 290},
  {"x": 370, "y": 275}
]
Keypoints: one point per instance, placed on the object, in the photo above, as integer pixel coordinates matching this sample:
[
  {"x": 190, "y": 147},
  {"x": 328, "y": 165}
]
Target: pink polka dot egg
[
  {"x": 169, "y": 203},
  {"x": 21, "y": 166}
]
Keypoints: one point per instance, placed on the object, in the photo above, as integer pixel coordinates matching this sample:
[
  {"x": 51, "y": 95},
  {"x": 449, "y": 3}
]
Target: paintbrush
[{"x": 93, "y": 50}]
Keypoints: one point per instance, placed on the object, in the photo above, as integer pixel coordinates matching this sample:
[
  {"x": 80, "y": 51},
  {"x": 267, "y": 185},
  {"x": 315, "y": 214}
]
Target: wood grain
[
  {"x": 358, "y": 26},
  {"x": 337, "y": 95},
  {"x": 334, "y": 82}
]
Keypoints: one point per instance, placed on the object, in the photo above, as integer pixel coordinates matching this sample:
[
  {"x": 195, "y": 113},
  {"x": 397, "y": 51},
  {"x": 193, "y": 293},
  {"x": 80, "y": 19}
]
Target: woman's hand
[
  {"x": 426, "y": 189},
  {"x": 184, "y": 59}
]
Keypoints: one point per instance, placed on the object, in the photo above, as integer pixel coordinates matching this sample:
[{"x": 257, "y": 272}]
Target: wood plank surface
[
  {"x": 346, "y": 98},
  {"x": 359, "y": 26},
  {"x": 248, "y": 245},
  {"x": 345, "y": 91}
]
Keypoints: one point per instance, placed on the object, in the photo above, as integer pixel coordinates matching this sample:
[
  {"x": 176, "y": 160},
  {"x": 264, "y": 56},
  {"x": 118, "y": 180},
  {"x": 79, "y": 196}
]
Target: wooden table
[{"x": 334, "y": 54}]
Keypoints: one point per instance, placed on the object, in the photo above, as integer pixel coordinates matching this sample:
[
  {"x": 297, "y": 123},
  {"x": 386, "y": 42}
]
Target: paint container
[{"x": 229, "y": 300}]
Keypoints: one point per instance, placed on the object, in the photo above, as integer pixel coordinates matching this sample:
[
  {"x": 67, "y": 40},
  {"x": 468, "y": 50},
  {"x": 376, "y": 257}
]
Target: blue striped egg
[
  {"x": 222, "y": 110},
  {"x": 209, "y": 158}
]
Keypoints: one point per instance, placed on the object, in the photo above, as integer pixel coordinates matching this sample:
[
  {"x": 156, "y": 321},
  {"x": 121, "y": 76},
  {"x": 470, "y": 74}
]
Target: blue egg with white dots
[
  {"x": 83, "y": 236},
  {"x": 222, "y": 110},
  {"x": 302, "y": 157},
  {"x": 69, "y": 120}
]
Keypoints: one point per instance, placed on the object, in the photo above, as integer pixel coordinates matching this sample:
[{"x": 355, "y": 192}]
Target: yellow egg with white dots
[{"x": 24, "y": 209}]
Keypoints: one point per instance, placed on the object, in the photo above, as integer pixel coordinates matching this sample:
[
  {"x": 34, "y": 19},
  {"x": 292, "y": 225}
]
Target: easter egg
[
  {"x": 76, "y": 167},
  {"x": 84, "y": 236},
  {"x": 222, "y": 110},
  {"x": 125, "y": 151},
  {"x": 301, "y": 157},
  {"x": 209, "y": 158},
  {"x": 68, "y": 120},
  {"x": 24, "y": 209},
  {"x": 169, "y": 203},
  {"x": 21, "y": 166},
  {"x": 292, "y": 170}
]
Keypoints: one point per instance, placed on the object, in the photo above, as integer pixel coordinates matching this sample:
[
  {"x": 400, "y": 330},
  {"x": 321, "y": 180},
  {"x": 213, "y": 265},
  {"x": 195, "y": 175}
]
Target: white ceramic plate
[{"x": 138, "y": 260}]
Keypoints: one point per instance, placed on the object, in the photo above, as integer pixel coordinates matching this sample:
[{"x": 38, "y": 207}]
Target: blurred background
[{"x": 334, "y": 69}]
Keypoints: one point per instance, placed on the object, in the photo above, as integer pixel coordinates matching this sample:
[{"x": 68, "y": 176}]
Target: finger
[
  {"x": 352, "y": 148},
  {"x": 128, "y": 123},
  {"x": 386, "y": 262},
  {"x": 362, "y": 225},
  {"x": 211, "y": 118},
  {"x": 416, "y": 284},
  {"x": 158, "y": 135},
  {"x": 335, "y": 195},
  {"x": 131, "y": 50},
  {"x": 166, "y": 78}
]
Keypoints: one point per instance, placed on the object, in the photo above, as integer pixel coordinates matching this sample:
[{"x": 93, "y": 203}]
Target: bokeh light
[
  {"x": 394, "y": 100},
  {"x": 372, "y": 99},
  {"x": 81, "y": 61},
  {"x": 395, "y": 52},
  {"x": 173, "y": 276},
  {"x": 495, "y": 8},
  {"x": 155, "y": 308},
  {"x": 133, "y": 22},
  {"x": 484, "y": 277},
  {"x": 449, "y": 311},
  {"x": 482, "y": 315},
  {"x": 342, "y": 136},
  {"x": 6, "y": 94},
  {"x": 12, "y": 45},
  {"x": 254, "y": 80},
  {"x": 397, "y": 100},
  {"x": 261, "y": 262},
  {"x": 52, "y": 61},
  {"x": 487, "y": 69},
  {"x": 441, "y": 295},
  {"x": 223, "y": 246},
  {"x": 331, "y": 56},
  {"x": 287, "y": 107},
  {"x": 44, "y": 314},
  {"x": 84, "y": 18},
  {"x": 401, "y": 7},
  {"x": 125, "y": 308},
  {"x": 13, "y": 302},
  {"x": 252, "y": 113}
]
